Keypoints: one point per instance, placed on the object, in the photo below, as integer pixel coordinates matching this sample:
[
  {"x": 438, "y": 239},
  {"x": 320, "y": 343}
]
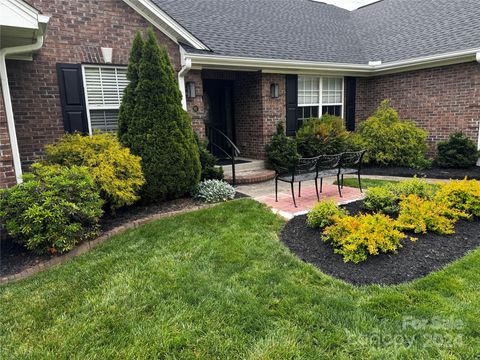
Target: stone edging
[{"x": 87, "y": 246}]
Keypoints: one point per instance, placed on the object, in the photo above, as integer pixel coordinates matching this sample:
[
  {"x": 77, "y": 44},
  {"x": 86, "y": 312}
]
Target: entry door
[{"x": 219, "y": 98}]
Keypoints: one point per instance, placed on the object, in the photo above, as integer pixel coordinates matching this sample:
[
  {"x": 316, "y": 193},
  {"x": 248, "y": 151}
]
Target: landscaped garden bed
[
  {"x": 432, "y": 173},
  {"x": 429, "y": 253}
]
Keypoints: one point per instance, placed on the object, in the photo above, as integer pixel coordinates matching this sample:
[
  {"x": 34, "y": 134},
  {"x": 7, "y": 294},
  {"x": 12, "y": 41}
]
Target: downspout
[
  {"x": 187, "y": 65},
  {"x": 17, "y": 165},
  {"x": 478, "y": 162}
]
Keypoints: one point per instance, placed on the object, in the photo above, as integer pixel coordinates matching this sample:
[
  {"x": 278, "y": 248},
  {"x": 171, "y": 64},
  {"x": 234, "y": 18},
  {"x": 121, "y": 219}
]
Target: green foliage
[
  {"x": 214, "y": 191},
  {"x": 116, "y": 172},
  {"x": 160, "y": 131},
  {"x": 461, "y": 195},
  {"x": 356, "y": 237},
  {"x": 458, "y": 152},
  {"x": 282, "y": 151},
  {"x": 391, "y": 141},
  {"x": 414, "y": 186},
  {"x": 208, "y": 162},
  {"x": 421, "y": 215},
  {"x": 53, "y": 209},
  {"x": 324, "y": 214},
  {"x": 326, "y": 135},
  {"x": 129, "y": 95},
  {"x": 381, "y": 199}
]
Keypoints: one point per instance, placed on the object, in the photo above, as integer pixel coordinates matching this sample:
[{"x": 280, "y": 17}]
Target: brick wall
[
  {"x": 195, "y": 106},
  {"x": 76, "y": 32},
  {"x": 440, "y": 100},
  {"x": 7, "y": 173},
  {"x": 256, "y": 114}
]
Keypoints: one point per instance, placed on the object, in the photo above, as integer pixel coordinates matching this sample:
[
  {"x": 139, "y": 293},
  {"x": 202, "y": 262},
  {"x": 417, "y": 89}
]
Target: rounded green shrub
[
  {"x": 214, "y": 191},
  {"x": 324, "y": 213},
  {"x": 382, "y": 200},
  {"x": 458, "y": 152},
  {"x": 208, "y": 162},
  {"x": 53, "y": 209},
  {"x": 281, "y": 151},
  {"x": 159, "y": 130},
  {"x": 116, "y": 172},
  {"x": 390, "y": 141},
  {"x": 326, "y": 135}
]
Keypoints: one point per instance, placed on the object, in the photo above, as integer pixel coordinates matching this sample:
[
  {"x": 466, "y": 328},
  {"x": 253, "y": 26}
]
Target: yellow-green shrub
[
  {"x": 392, "y": 141},
  {"x": 381, "y": 199},
  {"x": 422, "y": 215},
  {"x": 116, "y": 172},
  {"x": 356, "y": 237},
  {"x": 324, "y": 214},
  {"x": 462, "y": 195}
]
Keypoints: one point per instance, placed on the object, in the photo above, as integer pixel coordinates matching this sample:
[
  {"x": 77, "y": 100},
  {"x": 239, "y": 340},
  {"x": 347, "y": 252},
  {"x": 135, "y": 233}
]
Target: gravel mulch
[
  {"x": 14, "y": 258},
  {"x": 431, "y": 252},
  {"x": 433, "y": 173}
]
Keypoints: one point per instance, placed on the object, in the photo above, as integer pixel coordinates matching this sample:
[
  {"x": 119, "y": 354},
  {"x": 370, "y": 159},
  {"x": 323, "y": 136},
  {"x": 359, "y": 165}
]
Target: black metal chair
[
  {"x": 327, "y": 166},
  {"x": 351, "y": 163},
  {"x": 305, "y": 169}
]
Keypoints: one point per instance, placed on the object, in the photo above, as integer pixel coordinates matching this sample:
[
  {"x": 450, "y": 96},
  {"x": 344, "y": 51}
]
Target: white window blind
[
  {"x": 104, "y": 88},
  {"x": 317, "y": 96}
]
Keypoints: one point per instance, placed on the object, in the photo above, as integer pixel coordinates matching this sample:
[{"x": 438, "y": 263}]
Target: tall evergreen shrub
[
  {"x": 128, "y": 100},
  {"x": 159, "y": 130}
]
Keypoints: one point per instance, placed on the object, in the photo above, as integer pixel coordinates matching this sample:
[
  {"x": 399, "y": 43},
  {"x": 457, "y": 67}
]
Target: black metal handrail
[{"x": 212, "y": 134}]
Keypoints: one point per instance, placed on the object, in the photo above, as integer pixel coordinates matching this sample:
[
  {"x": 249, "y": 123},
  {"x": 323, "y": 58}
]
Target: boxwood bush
[
  {"x": 281, "y": 151},
  {"x": 390, "y": 141},
  {"x": 326, "y": 135},
  {"x": 116, "y": 172},
  {"x": 458, "y": 152},
  {"x": 208, "y": 162},
  {"x": 53, "y": 209}
]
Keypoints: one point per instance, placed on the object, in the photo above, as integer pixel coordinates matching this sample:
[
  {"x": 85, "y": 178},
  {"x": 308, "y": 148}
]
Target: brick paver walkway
[{"x": 308, "y": 199}]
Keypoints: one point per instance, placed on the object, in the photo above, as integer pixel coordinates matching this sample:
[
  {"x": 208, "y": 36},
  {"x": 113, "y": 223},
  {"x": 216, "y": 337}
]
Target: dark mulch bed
[
  {"x": 14, "y": 258},
  {"x": 431, "y": 252},
  {"x": 433, "y": 173}
]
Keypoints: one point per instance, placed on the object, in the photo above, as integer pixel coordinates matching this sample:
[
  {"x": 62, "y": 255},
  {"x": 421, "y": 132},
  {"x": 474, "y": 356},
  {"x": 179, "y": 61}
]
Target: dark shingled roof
[{"x": 388, "y": 30}]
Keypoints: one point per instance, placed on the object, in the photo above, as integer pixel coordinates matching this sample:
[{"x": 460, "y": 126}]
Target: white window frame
[
  {"x": 320, "y": 84},
  {"x": 85, "y": 90}
]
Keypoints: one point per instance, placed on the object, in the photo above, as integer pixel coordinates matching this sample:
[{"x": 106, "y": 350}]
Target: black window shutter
[
  {"x": 351, "y": 93},
  {"x": 292, "y": 104},
  {"x": 72, "y": 98}
]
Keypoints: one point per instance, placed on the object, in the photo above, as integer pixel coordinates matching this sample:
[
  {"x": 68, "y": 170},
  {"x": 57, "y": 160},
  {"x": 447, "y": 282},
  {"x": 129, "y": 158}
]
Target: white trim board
[{"x": 211, "y": 61}]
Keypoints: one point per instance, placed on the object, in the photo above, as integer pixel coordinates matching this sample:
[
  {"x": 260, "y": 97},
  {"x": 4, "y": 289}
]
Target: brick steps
[{"x": 251, "y": 176}]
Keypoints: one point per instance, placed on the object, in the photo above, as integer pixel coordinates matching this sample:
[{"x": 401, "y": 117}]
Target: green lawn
[
  {"x": 366, "y": 183},
  {"x": 217, "y": 283}
]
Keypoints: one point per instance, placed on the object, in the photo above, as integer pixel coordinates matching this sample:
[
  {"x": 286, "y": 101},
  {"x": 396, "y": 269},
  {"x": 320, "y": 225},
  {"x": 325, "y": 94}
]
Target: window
[
  {"x": 317, "y": 96},
  {"x": 104, "y": 87}
]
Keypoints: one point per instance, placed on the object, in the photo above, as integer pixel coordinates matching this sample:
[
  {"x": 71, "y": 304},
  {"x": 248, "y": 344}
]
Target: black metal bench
[{"x": 319, "y": 167}]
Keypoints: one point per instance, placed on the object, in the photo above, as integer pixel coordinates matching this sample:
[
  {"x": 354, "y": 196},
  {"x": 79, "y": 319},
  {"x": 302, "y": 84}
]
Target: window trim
[
  {"x": 321, "y": 104},
  {"x": 85, "y": 91}
]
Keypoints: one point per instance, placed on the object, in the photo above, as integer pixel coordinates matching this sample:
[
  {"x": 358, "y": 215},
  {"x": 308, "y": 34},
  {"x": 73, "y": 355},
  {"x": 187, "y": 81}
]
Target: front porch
[{"x": 239, "y": 104}]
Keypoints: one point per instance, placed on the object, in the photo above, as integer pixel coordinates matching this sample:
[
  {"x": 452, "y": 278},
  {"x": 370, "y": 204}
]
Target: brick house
[{"x": 243, "y": 66}]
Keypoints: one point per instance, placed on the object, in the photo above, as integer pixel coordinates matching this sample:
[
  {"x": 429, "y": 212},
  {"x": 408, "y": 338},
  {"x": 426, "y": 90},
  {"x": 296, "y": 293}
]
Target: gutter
[
  {"x": 187, "y": 65},
  {"x": 296, "y": 67},
  {"x": 8, "y": 100}
]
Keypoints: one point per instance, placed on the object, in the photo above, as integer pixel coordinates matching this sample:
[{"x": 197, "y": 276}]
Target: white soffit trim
[
  {"x": 200, "y": 61},
  {"x": 165, "y": 23}
]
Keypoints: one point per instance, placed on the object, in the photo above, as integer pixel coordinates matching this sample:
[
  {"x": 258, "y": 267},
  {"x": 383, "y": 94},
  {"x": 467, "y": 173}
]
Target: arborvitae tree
[
  {"x": 160, "y": 131},
  {"x": 129, "y": 95}
]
